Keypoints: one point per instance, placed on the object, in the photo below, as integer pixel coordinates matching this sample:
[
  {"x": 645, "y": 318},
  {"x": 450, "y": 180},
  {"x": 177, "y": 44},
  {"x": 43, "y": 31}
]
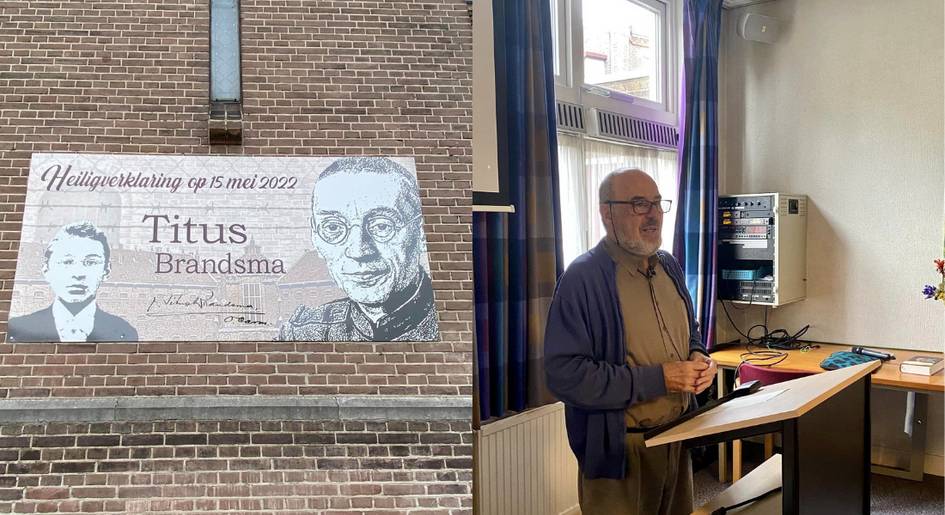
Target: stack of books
[{"x": 921, "y": 365}]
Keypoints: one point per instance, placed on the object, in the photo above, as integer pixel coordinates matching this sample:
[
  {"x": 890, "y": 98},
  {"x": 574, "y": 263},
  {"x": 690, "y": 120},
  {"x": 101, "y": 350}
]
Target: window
[
  {"x": 252, "y": 296},
  {"x": 621, "y": 52},
  {"x": 618, "y": 55},
  {"x": 583, "y": 163},
  {"x": 224, "y": 51},
  {"x": 225, "y": 124},
  {"x": 559, "y": 43}
]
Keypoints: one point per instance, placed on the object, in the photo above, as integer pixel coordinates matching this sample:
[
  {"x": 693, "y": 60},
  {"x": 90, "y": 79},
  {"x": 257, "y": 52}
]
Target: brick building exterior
[{"x": 228, "y": 427}]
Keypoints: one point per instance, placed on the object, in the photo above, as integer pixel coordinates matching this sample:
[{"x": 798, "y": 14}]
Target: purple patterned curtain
[
  {"x": 517, "y": 257},
  {"x": 696, "y": 221}
]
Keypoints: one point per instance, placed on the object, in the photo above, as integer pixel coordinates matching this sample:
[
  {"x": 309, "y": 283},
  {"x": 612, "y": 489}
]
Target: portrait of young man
[
  {"x": 75, "y": 264},
  {"x": 366, "y": 223}
]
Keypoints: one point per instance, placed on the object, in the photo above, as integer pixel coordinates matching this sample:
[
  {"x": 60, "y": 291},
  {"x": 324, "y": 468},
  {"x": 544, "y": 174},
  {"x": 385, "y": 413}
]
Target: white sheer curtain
[
  {"x": 583, "y": 163},
  {"x": 574, "y": 221}
]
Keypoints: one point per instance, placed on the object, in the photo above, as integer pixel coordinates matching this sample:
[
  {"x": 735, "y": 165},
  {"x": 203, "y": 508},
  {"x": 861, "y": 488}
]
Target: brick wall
[
  {"x": 231, "y": 368},
  {"x": 319, "y": 78},
  {"x": 328, "y": 78},
  {"x": 227, "y": 467}
]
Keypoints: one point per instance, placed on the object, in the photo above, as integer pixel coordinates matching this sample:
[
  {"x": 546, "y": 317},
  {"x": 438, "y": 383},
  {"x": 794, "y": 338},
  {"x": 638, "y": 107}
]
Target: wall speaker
[{"x": 755, "y": 27}]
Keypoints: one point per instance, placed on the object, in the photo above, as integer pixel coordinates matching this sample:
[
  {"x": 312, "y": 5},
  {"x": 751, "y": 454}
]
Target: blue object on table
[{"x": 843, "y": 359}]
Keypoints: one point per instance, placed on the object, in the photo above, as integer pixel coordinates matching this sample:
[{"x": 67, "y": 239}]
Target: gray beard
[{"x": 639, "y": 247}]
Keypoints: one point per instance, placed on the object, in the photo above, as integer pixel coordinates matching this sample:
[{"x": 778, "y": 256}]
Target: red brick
[
  {"x": 319, "y": 78},
  {"x": 93, "y": 492},
  {"x": 47, "y": 493}
]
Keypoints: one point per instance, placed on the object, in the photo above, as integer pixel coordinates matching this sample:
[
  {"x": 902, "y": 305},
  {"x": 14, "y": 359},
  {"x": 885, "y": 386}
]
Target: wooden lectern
[{"x": 825, "y": 433}]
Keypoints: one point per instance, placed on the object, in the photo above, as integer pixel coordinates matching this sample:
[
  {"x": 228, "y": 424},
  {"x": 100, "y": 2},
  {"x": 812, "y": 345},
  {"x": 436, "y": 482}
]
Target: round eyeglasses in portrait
[{"x": 335, "y": 230}]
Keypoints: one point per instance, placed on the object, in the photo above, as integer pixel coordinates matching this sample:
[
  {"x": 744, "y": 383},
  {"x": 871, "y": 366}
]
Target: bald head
[
  {"x": 638, "y": 234},
  {"x": 624, "y": 180}
]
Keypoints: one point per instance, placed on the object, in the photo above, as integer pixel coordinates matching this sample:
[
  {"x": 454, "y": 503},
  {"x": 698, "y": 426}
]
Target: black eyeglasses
[
  {"x": 334, "y": 230},
  {"x": 643, "y": 206}
]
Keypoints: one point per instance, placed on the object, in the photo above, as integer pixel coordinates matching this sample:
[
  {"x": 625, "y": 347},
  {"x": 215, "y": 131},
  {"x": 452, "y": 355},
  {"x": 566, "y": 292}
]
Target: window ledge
[{"x": 225, "y": 126}]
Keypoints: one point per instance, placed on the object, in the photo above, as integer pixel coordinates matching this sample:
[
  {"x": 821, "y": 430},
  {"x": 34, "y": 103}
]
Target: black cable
[
  {"x": 762, "y": 358},
  {"x": 776, "y": 339},
  {"x": 745, "y": 336},
  {"x": 768, "y": 349},
  {"x": 725, "y": 509}
]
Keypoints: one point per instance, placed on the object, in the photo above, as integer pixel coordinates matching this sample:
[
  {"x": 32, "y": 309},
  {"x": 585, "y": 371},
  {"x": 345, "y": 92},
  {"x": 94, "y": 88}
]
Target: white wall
[
  {"x": 847, "y": 107},
  {"x": 485, "y": 159}
]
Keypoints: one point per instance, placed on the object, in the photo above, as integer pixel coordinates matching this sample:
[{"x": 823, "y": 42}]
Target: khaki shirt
[{"x": 656, "y": 329}]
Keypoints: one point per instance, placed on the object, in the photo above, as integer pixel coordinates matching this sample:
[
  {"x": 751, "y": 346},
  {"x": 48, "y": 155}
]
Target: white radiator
[{"x": 524, "y": 465}]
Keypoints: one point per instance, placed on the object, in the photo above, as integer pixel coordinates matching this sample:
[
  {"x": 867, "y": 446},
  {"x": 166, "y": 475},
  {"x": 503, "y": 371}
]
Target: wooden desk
[
  {"x": 917, "y": 390},
  {"x": 763, "y": 478},
  {"x": 887, "y": 376}
]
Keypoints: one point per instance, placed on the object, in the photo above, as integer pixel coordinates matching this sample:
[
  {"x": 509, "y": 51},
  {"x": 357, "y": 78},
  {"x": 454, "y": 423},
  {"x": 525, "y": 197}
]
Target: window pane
[
  {"x": 555, "y": 48},
  {"x": 252, "y": 296},
  {"x": 224, "y": 50},
  {"x": 621, "y": 47}
]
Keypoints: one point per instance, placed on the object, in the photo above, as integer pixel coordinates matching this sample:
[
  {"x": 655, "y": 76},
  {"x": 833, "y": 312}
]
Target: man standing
[
  {"x": 623, "y": 351},
  {"x": 367, "y": 225},
  {"x": 76, "y": 262}
]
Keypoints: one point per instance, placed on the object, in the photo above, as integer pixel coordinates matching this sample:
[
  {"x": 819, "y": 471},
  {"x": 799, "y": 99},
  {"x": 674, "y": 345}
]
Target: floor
[{"x": 890, "y": 496}]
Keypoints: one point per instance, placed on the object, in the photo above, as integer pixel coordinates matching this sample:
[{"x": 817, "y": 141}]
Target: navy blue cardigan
[{"x": 585, "y": 360}]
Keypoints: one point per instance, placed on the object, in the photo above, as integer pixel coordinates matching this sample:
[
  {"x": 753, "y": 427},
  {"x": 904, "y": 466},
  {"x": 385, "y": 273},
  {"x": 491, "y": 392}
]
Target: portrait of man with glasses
[
  {"x": 367, "y": 225},
  {"x": 75, "y": 264}
]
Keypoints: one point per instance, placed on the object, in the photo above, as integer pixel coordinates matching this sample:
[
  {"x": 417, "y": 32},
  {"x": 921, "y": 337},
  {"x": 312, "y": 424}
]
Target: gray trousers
[{"x": 658, "y": 482}]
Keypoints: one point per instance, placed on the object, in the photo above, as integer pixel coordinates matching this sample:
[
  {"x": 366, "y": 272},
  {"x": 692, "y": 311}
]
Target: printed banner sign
[{"x": 206, "y": 248}]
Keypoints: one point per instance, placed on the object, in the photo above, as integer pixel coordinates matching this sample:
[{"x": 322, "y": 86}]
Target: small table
[{"x": 917, "y": 388}]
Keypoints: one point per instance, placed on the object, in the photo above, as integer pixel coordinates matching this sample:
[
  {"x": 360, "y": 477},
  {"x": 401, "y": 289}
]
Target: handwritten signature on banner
[{"x": 183, "y": 305}]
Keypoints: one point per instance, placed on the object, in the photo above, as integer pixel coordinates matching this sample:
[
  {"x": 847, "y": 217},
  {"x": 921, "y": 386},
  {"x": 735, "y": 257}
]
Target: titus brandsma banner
[{"x": 205, "y": 248}]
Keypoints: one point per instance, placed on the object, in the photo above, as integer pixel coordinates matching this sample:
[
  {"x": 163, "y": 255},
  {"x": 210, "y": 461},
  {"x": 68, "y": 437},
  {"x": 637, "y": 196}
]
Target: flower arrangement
[{"x": 936, "y": 292}]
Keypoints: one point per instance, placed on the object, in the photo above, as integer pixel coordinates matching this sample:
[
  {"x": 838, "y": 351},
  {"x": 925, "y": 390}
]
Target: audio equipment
[{"x": 762, "y": 248}]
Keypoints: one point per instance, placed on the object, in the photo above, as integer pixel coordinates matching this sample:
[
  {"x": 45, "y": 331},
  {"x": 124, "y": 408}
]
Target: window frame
[
  {"x": 569, "y": 86},
  {"x": 561, "y": 14},
  {"x": 250, "y": 293},
  {"x": 213, "y": 50},
  {"x": 586, "y": 198}
]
